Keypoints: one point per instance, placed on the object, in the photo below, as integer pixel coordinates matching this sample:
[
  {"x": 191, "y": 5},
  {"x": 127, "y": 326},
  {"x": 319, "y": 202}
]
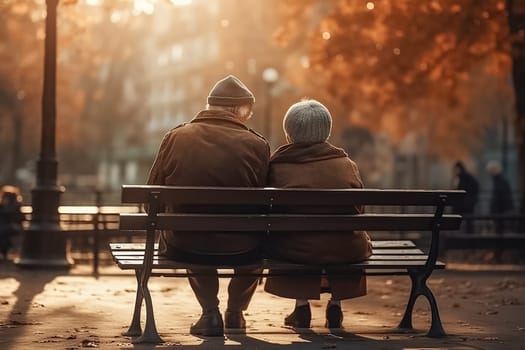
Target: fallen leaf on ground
[
  {"x": 508, "y": 284},
  {"x": 363, "y": 313},
  {"x": 510, "y": 301},
  {"x": 46, "y": 341},
  {"x": 490, "y": 338},
  {"x": 23, "y": 323},
  {"x": 88, "y": 343}
]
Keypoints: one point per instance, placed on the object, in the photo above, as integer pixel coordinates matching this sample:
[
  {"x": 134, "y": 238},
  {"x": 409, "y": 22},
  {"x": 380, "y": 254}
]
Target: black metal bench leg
[
  {"x": 150, "y": 334},
  {"x": 436, "y": 328},
  {"x": 134, "y": 329},
  {"x": 419, "y": 287},
  {"x": 406, "y": 321}
]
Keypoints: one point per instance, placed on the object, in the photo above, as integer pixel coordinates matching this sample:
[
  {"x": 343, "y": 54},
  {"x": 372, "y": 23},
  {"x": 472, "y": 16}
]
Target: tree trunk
[{"x": 516, "y": 10}]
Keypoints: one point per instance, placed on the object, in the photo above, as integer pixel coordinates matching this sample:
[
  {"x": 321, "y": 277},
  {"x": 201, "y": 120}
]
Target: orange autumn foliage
[{"x": 404, "y": 66}]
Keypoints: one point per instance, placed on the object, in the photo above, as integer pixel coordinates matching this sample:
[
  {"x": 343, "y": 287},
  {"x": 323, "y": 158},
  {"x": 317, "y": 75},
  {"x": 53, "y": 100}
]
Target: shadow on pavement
[
  {"x": 27, "y": 290},
  {"x": 313, "y": 340}
]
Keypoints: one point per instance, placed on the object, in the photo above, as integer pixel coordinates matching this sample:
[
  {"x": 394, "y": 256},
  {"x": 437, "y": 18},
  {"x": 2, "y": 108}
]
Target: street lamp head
[{"x": 270, "y": 75}]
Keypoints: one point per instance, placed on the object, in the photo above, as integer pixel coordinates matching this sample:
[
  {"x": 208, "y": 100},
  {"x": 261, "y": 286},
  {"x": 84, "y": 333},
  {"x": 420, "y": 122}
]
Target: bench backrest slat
[
  {"x": 287, "y": 197},
  {"x": 290, "y": 223}
]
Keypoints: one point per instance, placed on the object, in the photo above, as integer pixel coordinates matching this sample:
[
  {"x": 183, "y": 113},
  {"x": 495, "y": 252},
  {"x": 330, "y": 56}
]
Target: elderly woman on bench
[{"x": 309, "y": 161}]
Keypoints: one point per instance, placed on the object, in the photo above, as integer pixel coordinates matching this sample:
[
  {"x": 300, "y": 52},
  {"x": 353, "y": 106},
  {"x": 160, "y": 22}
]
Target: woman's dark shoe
[
  {"x": 300, "y": 317},
  {"x": 334, "y": 316},
  {"x": 234, "y": 320},
  {"x": 209, "y": 324}
]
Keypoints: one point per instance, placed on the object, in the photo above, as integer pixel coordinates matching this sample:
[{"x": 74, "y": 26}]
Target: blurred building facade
[{"x": 189, "y": 49}]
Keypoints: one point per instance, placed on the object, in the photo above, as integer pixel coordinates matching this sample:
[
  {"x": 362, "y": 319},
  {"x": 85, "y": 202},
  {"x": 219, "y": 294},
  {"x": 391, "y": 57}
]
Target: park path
[{"x": 47, "y": 310}]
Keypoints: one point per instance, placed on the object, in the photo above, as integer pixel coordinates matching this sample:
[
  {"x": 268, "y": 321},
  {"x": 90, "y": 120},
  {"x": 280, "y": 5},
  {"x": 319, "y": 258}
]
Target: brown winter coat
[
  {"x": 214, "y": 149},
  {"x": 319, "y": 165}
]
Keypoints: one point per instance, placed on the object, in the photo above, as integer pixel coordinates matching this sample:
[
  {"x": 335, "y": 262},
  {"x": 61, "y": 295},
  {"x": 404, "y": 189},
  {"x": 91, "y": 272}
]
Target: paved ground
[{"x": 46, "y": 310}]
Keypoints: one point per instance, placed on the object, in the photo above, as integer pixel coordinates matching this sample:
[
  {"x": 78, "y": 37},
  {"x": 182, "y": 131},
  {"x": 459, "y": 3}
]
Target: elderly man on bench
[{"x": 215, "y": 148}]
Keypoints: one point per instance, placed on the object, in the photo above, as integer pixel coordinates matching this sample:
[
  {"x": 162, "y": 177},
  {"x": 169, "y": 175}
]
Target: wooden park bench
[{"x": 269, "y": 214}]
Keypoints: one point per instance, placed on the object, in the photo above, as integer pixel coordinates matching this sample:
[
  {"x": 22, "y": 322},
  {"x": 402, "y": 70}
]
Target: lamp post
[
  {"x": 270, "y": 76},
  {"x": 43, "y": 243}
]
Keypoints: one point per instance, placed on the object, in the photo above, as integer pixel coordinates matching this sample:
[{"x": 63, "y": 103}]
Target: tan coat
[
  {"x": 214, "y": 149},
  {"x": 319, "y": 165}
]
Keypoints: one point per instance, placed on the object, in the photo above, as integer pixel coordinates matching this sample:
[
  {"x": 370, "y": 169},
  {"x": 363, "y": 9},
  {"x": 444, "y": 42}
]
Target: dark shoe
[
  {"x": 234, "y": 320},
  {"x": 334, "y": 316},
  {"x": 300, "y": 317},
  {"x": 209, "y": 324}
]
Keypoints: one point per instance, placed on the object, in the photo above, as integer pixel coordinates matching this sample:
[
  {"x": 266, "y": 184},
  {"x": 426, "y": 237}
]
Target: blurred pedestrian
[
  {"x": 501, "y": 199},
  {"x": 11, "y": 217},
  {"x": 467, "y": 182},
  {"x": 310, "y": 161}
]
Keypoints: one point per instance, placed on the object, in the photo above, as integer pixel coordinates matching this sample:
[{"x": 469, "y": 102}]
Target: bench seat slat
[
  {"x": 375, "y": 244},
  {"x": 388, "y": 252},
  {"x": 369, "y": 264},
  {"x": 119, "y": 257},
  {"x": 288, "y": 223},
  {"x": 392, "y": 244}
]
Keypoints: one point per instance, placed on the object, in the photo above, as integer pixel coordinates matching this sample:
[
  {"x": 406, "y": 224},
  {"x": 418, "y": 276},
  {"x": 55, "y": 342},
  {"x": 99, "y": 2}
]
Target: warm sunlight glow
[
  {"x": 370, "y": 5},
  {"x": 94, "y": 2},
  {"x": 143, "y": 6},
  {"x": 181, "y": 2},
  {"x": 305, "y": 61},
  {"x": 116, "y": 16},
  {"x": 326, "y": 35}
]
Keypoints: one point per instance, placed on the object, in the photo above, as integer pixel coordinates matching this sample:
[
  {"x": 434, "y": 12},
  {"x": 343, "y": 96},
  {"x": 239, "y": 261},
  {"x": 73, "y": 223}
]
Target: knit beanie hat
[
  {"x": 308, "y": 121},
  {"x": 230, "y": 91}
]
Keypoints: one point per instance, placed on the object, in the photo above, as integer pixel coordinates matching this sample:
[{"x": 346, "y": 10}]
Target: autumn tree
[
  {"x": 91, "y": 77},
  {"x": 20, "y": 31},
  {"x": 394, "y": 62},
  {"x": 109, "y": 68},
  {"x": 516, "y": 18},
  {"x": 432, "y": 67}
]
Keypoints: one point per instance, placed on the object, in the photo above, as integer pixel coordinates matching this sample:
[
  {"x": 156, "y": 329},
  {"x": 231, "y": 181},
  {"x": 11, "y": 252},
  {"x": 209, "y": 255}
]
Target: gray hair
[
  {"x": 243, "y": 112},
  {"x": 308, "y": 121}
]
